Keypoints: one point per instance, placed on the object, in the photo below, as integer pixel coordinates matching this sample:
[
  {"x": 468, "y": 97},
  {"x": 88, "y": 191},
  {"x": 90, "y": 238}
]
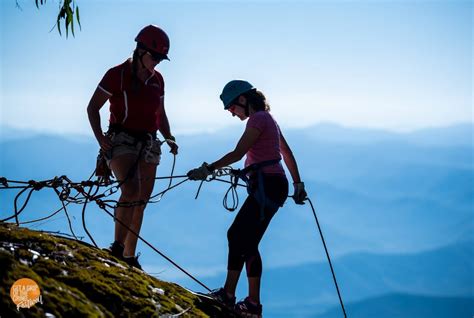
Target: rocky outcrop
[{"x": 79, "y": 280}]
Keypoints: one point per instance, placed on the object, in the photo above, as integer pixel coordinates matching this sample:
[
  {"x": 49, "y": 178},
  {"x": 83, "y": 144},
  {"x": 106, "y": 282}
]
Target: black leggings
[{"x": 245, "y": 233}]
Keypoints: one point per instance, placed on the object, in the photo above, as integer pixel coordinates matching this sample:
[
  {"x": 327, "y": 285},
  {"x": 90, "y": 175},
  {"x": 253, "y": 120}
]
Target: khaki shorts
[{"x": 123, "y": 143}]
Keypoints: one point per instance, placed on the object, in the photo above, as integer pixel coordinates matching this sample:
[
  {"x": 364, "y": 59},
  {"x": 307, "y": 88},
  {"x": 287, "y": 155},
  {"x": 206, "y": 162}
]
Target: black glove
[
  {"x": 300, "y": 194},
  {"x": 200, "y": 173}
]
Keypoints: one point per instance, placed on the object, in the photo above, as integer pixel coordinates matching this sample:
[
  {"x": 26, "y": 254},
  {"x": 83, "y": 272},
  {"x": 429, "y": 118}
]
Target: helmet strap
[
  {"x": 245, "y": 107},
  {"x": 140, "y": 57}
]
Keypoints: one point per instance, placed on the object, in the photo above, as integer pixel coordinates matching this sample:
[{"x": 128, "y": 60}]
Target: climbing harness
[{"x": 256, "y": 188}]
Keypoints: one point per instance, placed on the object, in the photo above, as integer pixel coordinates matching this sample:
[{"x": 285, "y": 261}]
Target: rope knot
[
  {"x": 100, "y": 203},
  {"x": 57, "y": 182},
  {"x": 36, "y": 185},
  {"x": 4, "y": 182},
  {"x": 64, "y": 194}
]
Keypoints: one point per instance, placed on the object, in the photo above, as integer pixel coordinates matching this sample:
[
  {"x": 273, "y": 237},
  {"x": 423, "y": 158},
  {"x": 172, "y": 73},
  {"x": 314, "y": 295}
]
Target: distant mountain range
[
  {"x": 403, "y": 306},
  {"x": 397, "y": 212},
  {"x": 455, "y": 135}
]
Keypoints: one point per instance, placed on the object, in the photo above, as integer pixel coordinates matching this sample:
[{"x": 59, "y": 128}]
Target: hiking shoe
[
  {"x": 133, "y": 261},
  {"x": 221, "y": 295},
  {"x": 116, "y": 249},
  {"x": 247, "y": 309}
]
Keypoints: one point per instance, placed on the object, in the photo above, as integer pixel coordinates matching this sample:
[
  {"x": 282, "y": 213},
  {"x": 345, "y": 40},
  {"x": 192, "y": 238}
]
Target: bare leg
[
  {"x": 147, "y": 174},
  {"x": 129, "y": 192}
]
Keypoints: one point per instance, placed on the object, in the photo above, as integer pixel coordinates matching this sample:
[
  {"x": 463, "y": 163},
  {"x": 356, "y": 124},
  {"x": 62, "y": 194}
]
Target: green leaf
[
  {"x": 58, "y": 25},
  {"x": 69, "y": 14},
  {"x": 66, "y": 23},
  {"x": 62, "y": 13},
  {"x": 72, "y": 24},
  {"x": 78, "y": 19},
  {"x": 67, "y": 11}
]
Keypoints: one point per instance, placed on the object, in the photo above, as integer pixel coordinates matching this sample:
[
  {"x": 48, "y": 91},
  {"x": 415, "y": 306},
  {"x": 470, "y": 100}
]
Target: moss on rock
[{"x": 78, "y": 280}]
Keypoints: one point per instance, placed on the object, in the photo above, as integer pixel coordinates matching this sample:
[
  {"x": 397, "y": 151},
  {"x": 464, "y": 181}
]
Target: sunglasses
[
  {"x": 235, "y": 103},
  {"x": 157, "y": 57},
  {"x": 232, "y": 108}
]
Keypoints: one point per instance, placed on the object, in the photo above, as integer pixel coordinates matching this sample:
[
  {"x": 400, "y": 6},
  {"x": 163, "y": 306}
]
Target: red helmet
[{"x": 154, "y": 39}]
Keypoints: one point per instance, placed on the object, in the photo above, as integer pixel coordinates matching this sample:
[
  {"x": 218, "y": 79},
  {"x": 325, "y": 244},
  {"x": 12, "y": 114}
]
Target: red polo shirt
[{"x": 136, "y": 109}]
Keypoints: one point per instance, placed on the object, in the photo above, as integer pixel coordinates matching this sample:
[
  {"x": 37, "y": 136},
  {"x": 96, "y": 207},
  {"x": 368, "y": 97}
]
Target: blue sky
[{"x": 398, "y": 65}]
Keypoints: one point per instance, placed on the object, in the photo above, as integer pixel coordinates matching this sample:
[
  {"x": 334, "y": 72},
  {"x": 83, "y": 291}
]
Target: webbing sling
[{"x": 259, "y": 194}]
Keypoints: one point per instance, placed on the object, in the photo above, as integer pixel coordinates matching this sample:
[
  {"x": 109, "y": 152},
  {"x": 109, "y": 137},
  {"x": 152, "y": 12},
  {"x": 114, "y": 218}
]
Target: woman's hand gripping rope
[
  {"x": 200, "y": 173},
  {"x": 300, "y": 195}
]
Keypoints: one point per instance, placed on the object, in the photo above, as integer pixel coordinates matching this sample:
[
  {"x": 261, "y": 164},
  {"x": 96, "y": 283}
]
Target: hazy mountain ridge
[
  {"x": 453, "y": 135},
  {"x": 374, "y": 194},
  {"x": 362, "y": 185},
  {"x": 406, "y": 305},
  {"x": 442, "y": 272}
]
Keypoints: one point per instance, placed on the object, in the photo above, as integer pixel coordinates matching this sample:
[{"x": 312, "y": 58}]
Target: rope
[
  {"x": 67, "y": 185},
  {"x": 84, "y": 219},
  {"x": 235, "y": 200},
  {"x": 171, "y": 177},
  {"x": 62, "y": 199},
  {"x": 328, "y": 257},
  {"x": 156, "y": 250},
  {"x": 225, "y": 171},
  {"x": 85, "y": 197}
]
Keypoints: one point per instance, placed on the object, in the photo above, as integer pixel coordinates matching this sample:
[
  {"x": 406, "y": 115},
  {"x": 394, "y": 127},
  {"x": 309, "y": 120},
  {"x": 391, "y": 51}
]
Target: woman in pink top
[{"x": 264, "y": 146}]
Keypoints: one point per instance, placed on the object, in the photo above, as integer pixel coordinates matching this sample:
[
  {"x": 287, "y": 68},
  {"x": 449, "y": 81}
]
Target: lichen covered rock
[{"x": 79, "y": 280}]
